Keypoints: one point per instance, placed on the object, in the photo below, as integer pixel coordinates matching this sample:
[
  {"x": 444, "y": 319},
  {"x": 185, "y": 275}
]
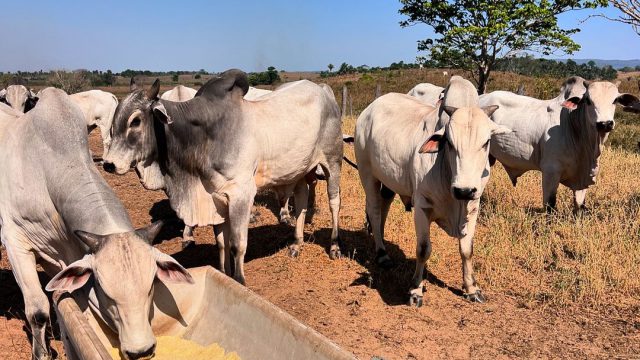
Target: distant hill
[{"x": 616, "y": 64}]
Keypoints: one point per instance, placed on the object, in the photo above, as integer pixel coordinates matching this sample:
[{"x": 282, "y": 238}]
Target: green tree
[
  {"x": 330, "y": 66},
  {"x": 175, "y": 77},
  {"x": 474, "y": 34}
]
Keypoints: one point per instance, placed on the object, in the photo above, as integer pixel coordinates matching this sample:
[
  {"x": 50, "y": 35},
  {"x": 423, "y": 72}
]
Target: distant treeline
[
  {"x": 345, "y": 68},
  {"x": 531, "y": 66}
]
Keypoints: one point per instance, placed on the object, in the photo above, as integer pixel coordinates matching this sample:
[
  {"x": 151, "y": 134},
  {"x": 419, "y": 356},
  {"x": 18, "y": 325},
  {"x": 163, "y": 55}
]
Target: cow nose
[
  {"x": 147, "y": 354},
  {"x": 605, "y": 126},
  {"x": 464, "y": 193},
  {"x": 109, "y": 167}
]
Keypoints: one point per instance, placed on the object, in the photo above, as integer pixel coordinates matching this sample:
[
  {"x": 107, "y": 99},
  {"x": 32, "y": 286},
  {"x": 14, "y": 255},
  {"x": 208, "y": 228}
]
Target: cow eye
[
  {"x": 135, "y": 122},
  {"x": 486, "y": 144}
]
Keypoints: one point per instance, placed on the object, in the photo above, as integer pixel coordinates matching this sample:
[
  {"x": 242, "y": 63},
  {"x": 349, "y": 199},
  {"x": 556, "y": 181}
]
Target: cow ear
[
  {"x": 150, "y": 232},
  {"x": 627, "y": 100},
  {"x": 489, "y": 110},
  {"x": 154, "y": 90},
  {"x": 132, "y": 84},
  {"x": 348, "y": 138},
  {"x": 73, "y": 276},
  {"x": 160, "y": 112},
  {"x": 450, "y": 110},
  {"x": 169, "y": 270},
  {"x": 432, "y": 145},
  {"x": 571, "y": 103}
]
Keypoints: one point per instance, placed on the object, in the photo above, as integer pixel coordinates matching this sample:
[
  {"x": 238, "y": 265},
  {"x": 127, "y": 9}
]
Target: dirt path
[{"x": 359, "y": 306}]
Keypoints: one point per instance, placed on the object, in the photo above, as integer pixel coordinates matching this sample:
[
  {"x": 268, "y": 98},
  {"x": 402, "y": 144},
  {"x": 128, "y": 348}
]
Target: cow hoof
[
  {"x": 288, "y": 220},
  {"x": 294, "y": 252},
  {"x": 334, "y": 252},
  {"x": 384, "y": 260},
  {"x": 416, "y": 298},
  {"x": 186, "y": 244},
  {"x": 476, "y": 297},
  {"x": 253, "y": 218}
]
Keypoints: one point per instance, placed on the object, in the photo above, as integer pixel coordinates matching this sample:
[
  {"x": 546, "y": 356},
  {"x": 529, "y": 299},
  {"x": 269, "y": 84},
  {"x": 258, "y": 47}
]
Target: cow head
[
  {"x": 123, "y": 268},
  {"x": 464, "y": 143},
  {"x": 600, "y": 100},
  {"x": 133, "y": 128},
  {"x": 19, "y": 97}
]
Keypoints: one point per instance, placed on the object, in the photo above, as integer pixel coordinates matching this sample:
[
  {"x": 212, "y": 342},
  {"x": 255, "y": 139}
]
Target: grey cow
[
  {"x": 18, "y": 97},
  {"x": 562, "y": 137},
  {"x": 437, "y": 163},
  {"x": 56, "y": 209},
  {"x": 233, "y": 147}
]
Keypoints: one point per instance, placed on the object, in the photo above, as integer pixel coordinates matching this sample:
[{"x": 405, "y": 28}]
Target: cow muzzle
[
  {"x": 605, "y": 126},
  {"x": 465, "y": 193},
  {"x": 146, "y": 354},
  {"x": 109, "y": 167}
]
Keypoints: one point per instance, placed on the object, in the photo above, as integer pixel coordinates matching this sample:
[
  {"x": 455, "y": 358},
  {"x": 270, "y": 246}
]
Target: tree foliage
[
  {"x": 473, "y": 34},
  {"x": 268, "y": 77},
  {"x": 530, "y": 66}
]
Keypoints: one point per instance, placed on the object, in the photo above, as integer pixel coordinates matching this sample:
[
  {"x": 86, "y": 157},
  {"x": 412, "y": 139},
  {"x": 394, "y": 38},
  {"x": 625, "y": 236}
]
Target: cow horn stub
[{"x": 92, "y": 241}]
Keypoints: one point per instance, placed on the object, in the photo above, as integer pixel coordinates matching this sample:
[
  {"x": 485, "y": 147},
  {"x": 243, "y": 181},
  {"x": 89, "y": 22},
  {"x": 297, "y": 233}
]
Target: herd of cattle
[{"x": 213, "y": 149}]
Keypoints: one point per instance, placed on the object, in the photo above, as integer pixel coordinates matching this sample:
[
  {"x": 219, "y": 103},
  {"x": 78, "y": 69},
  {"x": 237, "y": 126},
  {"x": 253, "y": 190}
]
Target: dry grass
[{"x": 538, "y": 259}]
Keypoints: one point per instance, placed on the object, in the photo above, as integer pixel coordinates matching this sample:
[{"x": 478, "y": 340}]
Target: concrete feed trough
[{"x": 214, "y": 310}]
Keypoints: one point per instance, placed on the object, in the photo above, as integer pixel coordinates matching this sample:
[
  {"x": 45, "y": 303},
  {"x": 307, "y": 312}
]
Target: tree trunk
[{"x": 483, "y": 78}]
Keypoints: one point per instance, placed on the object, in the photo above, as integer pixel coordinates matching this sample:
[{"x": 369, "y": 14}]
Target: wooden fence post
[
  {"x": 378, "y": 90},
  {"x": 344, "y": 100}
]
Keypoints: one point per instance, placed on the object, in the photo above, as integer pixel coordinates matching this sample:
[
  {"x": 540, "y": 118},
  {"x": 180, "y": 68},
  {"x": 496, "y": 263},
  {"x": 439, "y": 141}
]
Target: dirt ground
[{"x": 357, "y": 305}]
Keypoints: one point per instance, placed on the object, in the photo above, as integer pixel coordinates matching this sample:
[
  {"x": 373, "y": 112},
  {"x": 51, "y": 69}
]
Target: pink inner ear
[
  {"x": 569, "y": 105},
  {"x": 430, "y": 146},
  {"x": 171, "y": 272},
  {"x": 70, "y": 280}
]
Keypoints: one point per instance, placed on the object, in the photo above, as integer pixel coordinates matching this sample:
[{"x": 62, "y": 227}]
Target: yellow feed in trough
[{"x": 175, "y": 348}]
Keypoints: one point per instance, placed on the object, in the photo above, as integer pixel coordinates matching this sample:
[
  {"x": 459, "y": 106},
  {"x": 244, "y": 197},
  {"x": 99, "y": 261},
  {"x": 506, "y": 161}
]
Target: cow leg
[
  {"x": 423, "y": 252},
  {"x": 550, "y": 182},
  {"x": 187, "y": 237},
  {"x": 387, "y": 195},
  {"x": 374, "y": 208},
  {"x": 218, "y": 235},
  {"x": 471, "y": 290},
  {"x": 301, "y": 194},
  {"x": 579, "y": 197},
  {"x": 240, "y": 205},
  {"x": 285, "y": 216},
  {"x": 332, "y": 173},
  {"x": 311, "y": 202},
  {"x": 35, "y": 301}
]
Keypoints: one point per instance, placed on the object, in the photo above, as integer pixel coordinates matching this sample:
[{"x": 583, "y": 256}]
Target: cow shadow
[
  {"x": 392, "y": 284},
  {"x": 173, "y": 226},
  {"x": 266, "y": 240},
  {"x": 12, "y": 306},
  {"x": 269, "y": 200}
]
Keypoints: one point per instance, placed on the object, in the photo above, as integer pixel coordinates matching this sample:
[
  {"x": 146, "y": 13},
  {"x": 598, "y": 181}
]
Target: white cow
[
  {"x": 98, "y": 108},
  {"x": 437, "y": 163},
  {"x": 427, "y": 93},
  {"x": 18, "y": 97},
  {"x": 562, "y": 137},
  {"x": 57, "y": 211}
]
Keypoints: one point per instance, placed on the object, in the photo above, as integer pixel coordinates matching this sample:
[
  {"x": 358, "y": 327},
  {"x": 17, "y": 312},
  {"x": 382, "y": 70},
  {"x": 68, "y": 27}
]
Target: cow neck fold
[
  {"x": 450, "y": 213},
  {"x": 585, "y": 142},
  {"x": 86, "y": 202}
]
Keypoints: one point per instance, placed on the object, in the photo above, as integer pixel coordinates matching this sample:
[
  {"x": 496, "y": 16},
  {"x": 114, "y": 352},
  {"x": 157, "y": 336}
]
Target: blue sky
[{"x": 250, "y": 35}]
